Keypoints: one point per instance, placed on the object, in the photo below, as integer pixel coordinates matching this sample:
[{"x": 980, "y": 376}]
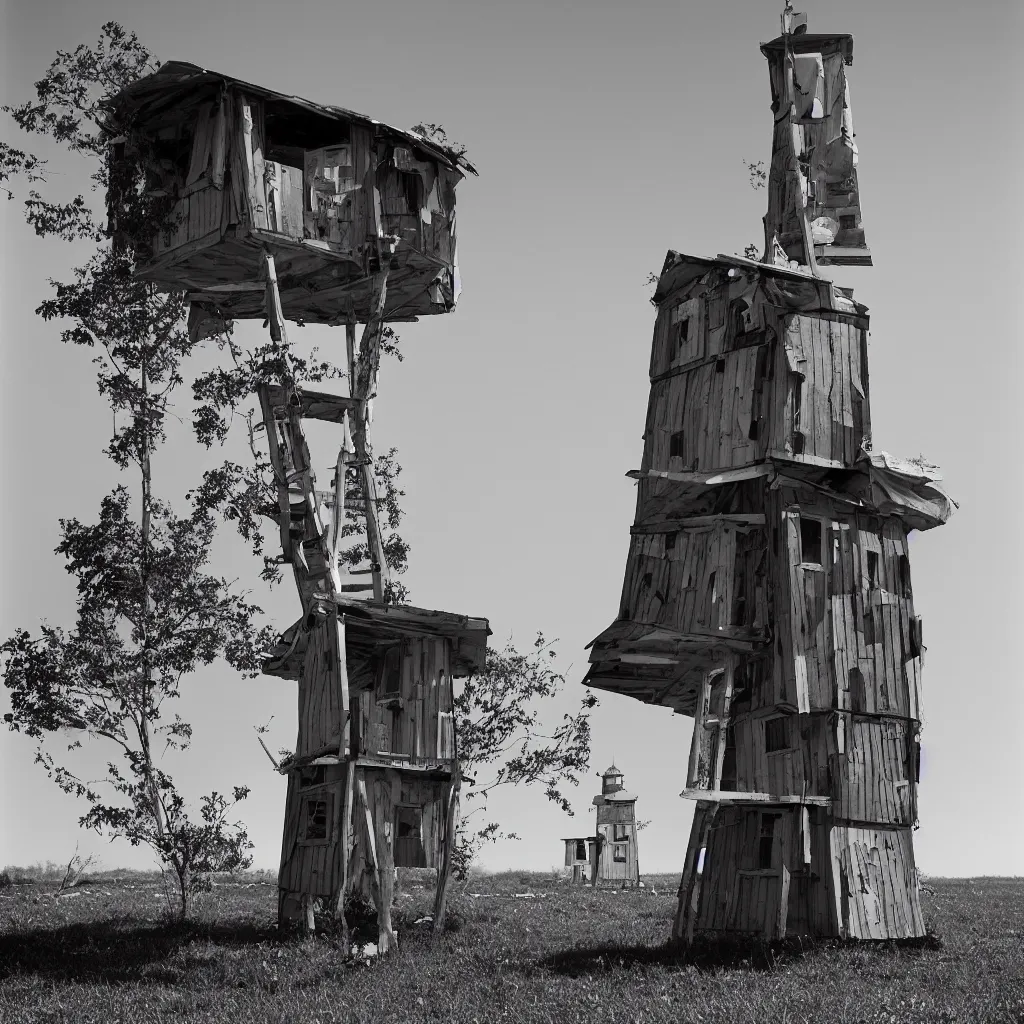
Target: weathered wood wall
[
  {"x": 747, "y": 379},
  {"x": 700, "y": 580},
  {"x": 414, "y": 724},
  {"x": 314, "y": 865}
]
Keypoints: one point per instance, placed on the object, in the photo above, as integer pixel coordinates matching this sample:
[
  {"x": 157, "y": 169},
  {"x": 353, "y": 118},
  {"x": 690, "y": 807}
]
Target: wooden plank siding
[
  {"x": 877, "y": 882},
  {"x": 320, "y": 712},
  {"x": 405, "y": 727},
  {"x": 689, "y": 579}
]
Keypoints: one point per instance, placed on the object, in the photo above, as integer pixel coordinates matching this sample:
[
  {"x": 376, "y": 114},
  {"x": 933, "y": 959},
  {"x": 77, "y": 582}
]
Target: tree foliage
[
  {"x": 149, "y": 613},
  {"x": 502, "y": 741}
]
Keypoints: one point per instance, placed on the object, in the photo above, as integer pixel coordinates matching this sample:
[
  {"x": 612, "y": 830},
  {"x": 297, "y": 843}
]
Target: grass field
[{"x": 523, "y": 947}]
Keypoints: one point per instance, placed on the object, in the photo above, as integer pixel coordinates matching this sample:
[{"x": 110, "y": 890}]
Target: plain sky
[{"x": 605, "y": 134}]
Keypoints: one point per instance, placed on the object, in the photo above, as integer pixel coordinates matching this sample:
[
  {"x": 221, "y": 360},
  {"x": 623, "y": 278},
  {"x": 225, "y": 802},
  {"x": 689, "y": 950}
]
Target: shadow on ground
[
  {"x": 114, "y": 951},
  {"x": 711, "y": 955}
]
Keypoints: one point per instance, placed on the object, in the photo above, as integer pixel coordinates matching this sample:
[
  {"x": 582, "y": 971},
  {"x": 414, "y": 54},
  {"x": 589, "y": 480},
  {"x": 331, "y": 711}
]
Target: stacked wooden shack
[
  {"x": 767, "y": 591},
  {"x": 609, "y": 856},
  {"x": 285, "y": 209}
]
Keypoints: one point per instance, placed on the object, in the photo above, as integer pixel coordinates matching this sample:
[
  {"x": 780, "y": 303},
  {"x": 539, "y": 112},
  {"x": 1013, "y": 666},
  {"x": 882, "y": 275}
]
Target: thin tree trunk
[{"x": 147, "y": 667}]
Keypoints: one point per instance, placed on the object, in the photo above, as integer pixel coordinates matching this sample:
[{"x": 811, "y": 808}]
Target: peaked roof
[{"x": 177, "y": 81}]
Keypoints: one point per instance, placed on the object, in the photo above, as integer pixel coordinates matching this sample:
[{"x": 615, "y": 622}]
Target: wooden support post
[
  {"x": 451, "y": 824},
  {"x": 381, "y": 890},
  {"x": 689, "y": 884},
  {"x": 308, "y": 918}
]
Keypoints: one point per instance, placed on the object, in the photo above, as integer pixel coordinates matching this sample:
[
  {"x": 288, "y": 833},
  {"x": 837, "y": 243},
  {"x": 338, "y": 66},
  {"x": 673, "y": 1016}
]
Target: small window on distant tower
[
  {"x": 776, "y": 735},
  {"x": 391, "y": 672},
  {"x": 810, "y": 541},
  {"x": 766, "y": 841}
]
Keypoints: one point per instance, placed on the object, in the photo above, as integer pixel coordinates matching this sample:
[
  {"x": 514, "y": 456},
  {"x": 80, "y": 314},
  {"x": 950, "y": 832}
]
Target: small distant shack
[{"x": 610, "y": 855}]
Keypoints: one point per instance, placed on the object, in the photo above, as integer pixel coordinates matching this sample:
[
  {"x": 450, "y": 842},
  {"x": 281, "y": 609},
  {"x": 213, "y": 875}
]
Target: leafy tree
[
  {"x": 502, "y": 742},
  {"x": 148, "y": 612}
]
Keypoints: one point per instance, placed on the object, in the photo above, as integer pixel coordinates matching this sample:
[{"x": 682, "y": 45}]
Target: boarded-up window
[
  {"x": 766, "y": 840},
  {"x": 776, "y": 735},
  {"x": 409, "y": 851},
  {"x": 619, "y": 852},
  {"x": 684, "y": 340},
  {"x": 810, "y": 541},
  {"x": 390, "y": 680},
  {"x": 620, "y": 833},
  {"x": 314, "y": 821},
  {"x": 445, "y": 734}
]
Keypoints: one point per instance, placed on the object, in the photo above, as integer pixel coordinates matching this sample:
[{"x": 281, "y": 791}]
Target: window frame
[
  {"x": 786, "y": 722},
  {"x": 418, "y": 835},
  {"x": 309, "y": 799}
]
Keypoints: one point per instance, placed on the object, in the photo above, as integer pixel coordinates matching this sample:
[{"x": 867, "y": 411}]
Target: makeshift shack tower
[
  {"x": 767, "y": 590},
  {"x": 286, "y": 209},
  {"x": 610, "y": 855}
]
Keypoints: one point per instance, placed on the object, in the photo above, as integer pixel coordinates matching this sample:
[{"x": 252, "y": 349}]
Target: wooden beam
[{"x": 728, "y": 796}]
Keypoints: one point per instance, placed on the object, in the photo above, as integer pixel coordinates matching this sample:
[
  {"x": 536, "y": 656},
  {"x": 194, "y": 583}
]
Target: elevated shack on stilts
[
  {"x": 767, "y": 590},
  {"x": 286, "y": 209}
]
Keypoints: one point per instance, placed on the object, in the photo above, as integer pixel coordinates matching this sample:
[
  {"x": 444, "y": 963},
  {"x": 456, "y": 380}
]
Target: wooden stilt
[{"x": 451, "y": 825}]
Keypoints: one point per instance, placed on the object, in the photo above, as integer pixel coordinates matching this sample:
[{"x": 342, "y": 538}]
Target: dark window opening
[
  {"x": 681, "y": 338},
  {"x": 776, "y": 735},
  {"x": 873, "y": 569},
  {"x": 315, "y": 775},
  {"x": 620, "y": 833},
  {"x": 391, "y": 672},
  {"x": 766, "y": 841},
  {"x": 670, "y": 541},
  {"x": 619, "y": 851},
  {"x": 316, "y": 820},
  {"x": 719, "y": 366},
  {"x": 847, "y": 221},
  {"x": 676, "y": 445},
  {"x": 737, "y": 320},
  {"x": 581, "y": 849},
  {"x": 728, "y": 779},
  {"x": 646, "y": 580},
  {"x": 409, "y": 851},
  {"x": 870, "y": 627},
  {"x": 857, "y": 694},
  {"x": 904, "y": 570},
  {"x": 810, "y": 541},
  {"x": 915, "y": 759},
  {"x": 916, "y": 639}
]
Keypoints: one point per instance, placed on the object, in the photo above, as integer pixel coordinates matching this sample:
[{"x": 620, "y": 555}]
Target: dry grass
[{"x": 106, "y": 953}]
